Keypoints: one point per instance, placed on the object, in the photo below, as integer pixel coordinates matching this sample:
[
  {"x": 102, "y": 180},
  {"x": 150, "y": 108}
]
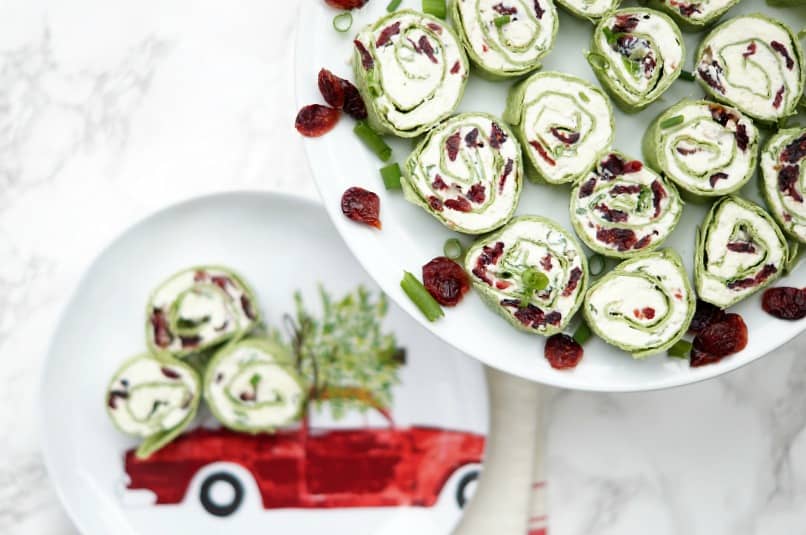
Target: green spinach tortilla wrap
[
  {"x": 623, "y": 208},
  {"x": 636, "y": 54},
  {"x": 644, "y": 305},
  {"x": 740, "y": 250},
  {"x": 467, "y": 173},
  {"x": 589, "y": 9},
  {"x": 505, "y": 265},
  {"x": 694, "y": 15},
  {"x": 783, "y": 172},
  {"x": 505, "y": 39},
  {"x": 411, "y": 71},
  {"x": 707, "y": 149},
  {"x": 199, "y": 308},
  {"x": 253, "y": 386},
  {"x": 154, "y": 398},
  {"x": 564, "y": 123},
  {"x": 753, "y": 63}
]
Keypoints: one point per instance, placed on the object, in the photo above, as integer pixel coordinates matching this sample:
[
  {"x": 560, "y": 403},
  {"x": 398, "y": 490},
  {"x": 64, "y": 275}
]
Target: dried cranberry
[
  {"x": 586, "y": 189},
  {"x": 489, "y": 255},
  {"x": 705, "y": 315},
  {"x": 562, "y": 352},
  {"x": 620, "y": 189},
  {"x": 741, "y": 247},
  {"x": 699, "y": 358},
  {"x": 625, "y": 23},
  {"x": 751, "y": 49},
  {"x": 362, "y": 206},
  {"x": 169, "y": 373},
  {"x": 722, "y": 338},
  {"x": 456, "y": 67},
  {"x": 114, "y": 395},
  {"x": 658, "y": 194},
  {"x": 688, "y": 10},
  {"x": 460, "y": 204},
  {"x": 543, "y": 153},
  {"x": 472, "y": 139},
  {"x": 710, "y": 74},
  {"x": 611, "y": 214},
  {"x": 387, "y": 34},
  {"x": 545, "y": 263},
  {"x": 766, "y": 272},
  {"x": 539, "y": 11},
  {"x": 427, "y": 49},
  {"x": 741, "y": 136},
  {"x": 788, "y": 178},
  {"x": 779, "y": 96},
  {"x": 795, "y": 151},
  {"x": 162, "y": 335},
  {"x": 331, "y": 88},
  {"x": 221, "y": 281},
  {"x": 346, "y": 4},
  {"x": 785, "y": 303},
  {"x": 623, "y": 238},
  {"x": 716, "y": 177},
  {"x": 573, "y": 281},
  {"x": 781, "y": 49},
  {"x": 190, "y": 341},
  {"x": 248, "y": 309},
  {"x": 452, "y": 146},
  {"x": 316, "y": 120},
  {"x": 353, "y": 103},
  {"x": 507, "y": 170},
  {"x": 504, "y": 10},
  {"x": 566, "y": 136},
  {"x": 497, "y": 136},
  {"x": 439, "y": 184},
  {"x": 477, "y": 193},
  {"x": 366, "y": 58},
  {"x": 445, "y": 280}
]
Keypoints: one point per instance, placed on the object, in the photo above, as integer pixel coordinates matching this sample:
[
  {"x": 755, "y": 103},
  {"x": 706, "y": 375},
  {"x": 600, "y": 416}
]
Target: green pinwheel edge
[
  {"x": 766, "y": 181},
  {"x": 410, "y": 164},
  {"x": 721, "y": 98},
  {"x": 489, "y": 296},
  {"x": 155, "y": 442},
  {"x": 362, "y": 82},
  {"x": 637, "y": 353},
  {"x": 203, "y": 348},
  {"x": 702, "y": 237},
  {"x": 687, "y": 24},
  {"x": 604, "y": 251},
  {"x": 283, "y": 358},
  {"x": 581, "y": 14},
  {"x": 477, "y": 61},
  {"x": 513, "y": 114},
  {"x": 786, "y": 3},
  {"x": 617, "y": 93},
  {"x": 651, "y": 150}
]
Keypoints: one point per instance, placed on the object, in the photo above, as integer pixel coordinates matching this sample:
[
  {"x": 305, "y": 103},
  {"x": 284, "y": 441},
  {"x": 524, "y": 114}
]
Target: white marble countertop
[{"x": 112, "y": 109}]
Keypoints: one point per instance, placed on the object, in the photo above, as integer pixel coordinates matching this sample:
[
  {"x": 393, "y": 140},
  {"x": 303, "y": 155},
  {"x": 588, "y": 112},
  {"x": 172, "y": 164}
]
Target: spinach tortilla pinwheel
[
  {"x": 253, "y": 386},
  {"x": 694, "y": 15},
  {"x": 505, "y": 39},
  {"x": 740, "y": 250},
  {"x": 636, "y": 54},
  {"x": 755, "y": 64},
  {"x": 783, "y": 171},
  {"x": 467, "y": 173},
  {"x": 623, "y": 208},
  {"x": 153, "y": 397},
  {"x": 565, "y": 124},
  {"x": 706, "y": 148},
  {"x": 589, "y": 9},
  {"x": 411, "y": 71},
  {"x": 532, "y": 272},
  {"x": 198, "y": 308},
  {"x": 644, "y": 306}
]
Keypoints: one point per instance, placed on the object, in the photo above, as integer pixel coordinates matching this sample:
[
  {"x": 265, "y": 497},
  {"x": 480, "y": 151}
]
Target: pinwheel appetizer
[
  {"x": 644, "y": 305},
  {"x": 153, "y": 398},
  {"x": 564, "y": 123},
  {"x": 532, "y": 272},
  {"x": 505, "y": 39},
  {"x": 694, "y": 15},
  {"x": 589, "y": 9},
  {"x": 706, "y": 148},
  {"x": 199, "y": 308},
  {"x": 252, "y": 386},
  {"x": 466, "y": 173},
  {"x": 755, "y": 64},
  {"x": 411, "y": 71},
  {"x": 783, "y": 172},
  {"x": 740, "y": 250},
  {"x": 636, "y": 54},
  {"x": 623, "y": 208}
]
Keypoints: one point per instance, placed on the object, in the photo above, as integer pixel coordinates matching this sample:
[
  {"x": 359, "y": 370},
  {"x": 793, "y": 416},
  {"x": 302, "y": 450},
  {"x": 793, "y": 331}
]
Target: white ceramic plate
[
  {"x": 279, "y": 244},
  {"x": 410, "y": 237}
]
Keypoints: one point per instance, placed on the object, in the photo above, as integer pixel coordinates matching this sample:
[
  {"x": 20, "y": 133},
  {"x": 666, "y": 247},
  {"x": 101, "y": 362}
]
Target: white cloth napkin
[{"x": 510, "y": 497}]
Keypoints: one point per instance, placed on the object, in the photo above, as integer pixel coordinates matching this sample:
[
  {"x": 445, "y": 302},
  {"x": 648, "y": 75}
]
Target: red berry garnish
[
  {"x": 346, "y": 4},
  {"x": 718, "y": 340},
  {"x": 562, "y": 352},
  {"x": 316, "y": 120},
  {"x": 445, "y": 280},
  {"x": 785, "y": 303},
  {"x": 705, "y": 315},
  {"x": 362, "y": 206}
]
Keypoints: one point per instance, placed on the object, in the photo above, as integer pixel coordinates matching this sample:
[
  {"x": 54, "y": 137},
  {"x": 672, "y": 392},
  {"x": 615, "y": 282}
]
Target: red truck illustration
[{"x": 314, "y": 468}]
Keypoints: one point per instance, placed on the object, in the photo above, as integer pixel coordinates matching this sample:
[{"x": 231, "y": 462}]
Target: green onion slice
[
  {"x": 596, "y": 264},
  {"x": 597, "y": 61},
  {"x": 533, "y": 281},
  {"x": 502, "y": 20},
  {"x": 393, "y": 5},
  {"x": 672, "y": 121},
  {"x": 343, "y": 22},
  {"x": 372, "y": 140},
  {"x": 420, "y": 297},
  {"x": 583, "y": 333},
  {"x": 391, "y": 176},
  {"x": 436, "y": 8},
  {"x": 687, "y": 75},
  {"x": 680, "y": 350},
  {"x": 453, "y": 249}
]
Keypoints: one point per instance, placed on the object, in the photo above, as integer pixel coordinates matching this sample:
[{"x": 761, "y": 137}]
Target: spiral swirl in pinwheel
[
  {"x": 644, "y": 305},
  {"x": 706, "y": 148},
  {"x": 755, "y": 64},
  {"x": 154, "y": 398},
  {"x": 564, "y": 123},
  {"x": 694, "y": 15},
  {"x": 740, "y": 250},
  {"x": 504, "y": 265},
  {"x": 636, "y": 54},
  {"x": 589, "y": 9},
  {"x": 198, "y": 308},
  {"x": 467, "y": 173},
  {"x": 623, "y": 208},
  {"x": 411, "y": 71},
  {"x": 252, "y": 386},
  {"x": 505, "y": 39},
  {"x": 783, "y": 169}
]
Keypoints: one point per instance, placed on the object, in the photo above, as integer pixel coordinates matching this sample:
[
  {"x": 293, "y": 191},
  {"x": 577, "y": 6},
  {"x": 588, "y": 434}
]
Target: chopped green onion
[
  {"x": 583, "y": 97},
  {"x": 343, "y": 22},
  {"x": 453, "y": 249},
  {"x": 672, "y": 121},
  {"x": 394, "y": 4},
  {"x": 372, "y": 140},
  {"x": 500, "y": 21},
  {"x": 420, "y": 297},
  {"x": 583, "y": 333},
  {"x": 596, "y": 264},
  {"x": 687, "y": 75},
  {"x": 680, "y": 350},
  {"x": 533, "y": 281},
  {"x": 597, "y": 61},
  {"x": 391, "y": 176},
  {"x": 435, "y": 7}
]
